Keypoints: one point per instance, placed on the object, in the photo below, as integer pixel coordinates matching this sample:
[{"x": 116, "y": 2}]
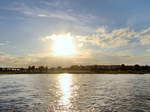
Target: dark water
[{"x": 75, "y": 93}]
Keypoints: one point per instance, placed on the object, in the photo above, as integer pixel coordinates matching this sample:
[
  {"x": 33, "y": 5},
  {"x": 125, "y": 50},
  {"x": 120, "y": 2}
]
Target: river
[{"x": 75, "y": 93}]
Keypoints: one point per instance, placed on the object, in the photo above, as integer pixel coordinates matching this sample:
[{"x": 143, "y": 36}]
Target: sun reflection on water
[{"x": 65, "y": 82}]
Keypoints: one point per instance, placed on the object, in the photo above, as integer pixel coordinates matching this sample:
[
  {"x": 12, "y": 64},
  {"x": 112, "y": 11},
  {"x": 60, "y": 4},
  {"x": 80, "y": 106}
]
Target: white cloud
[
  {"x": 101, "y": 30},
  {"x": 145, "y": 40},
  {"x": 145, "y": 37},
  {"x": 56, "y": 15},
  {"x": 36, "y": 11},
  {"x": 106, "y": 39},
  {"x": 4, "y": 43},
  {"x": 1, "y": 44},
  {"x": 44, "y": 39},
  {"x": 117, "y": 37},
  {"x": 47, "y": 11}
]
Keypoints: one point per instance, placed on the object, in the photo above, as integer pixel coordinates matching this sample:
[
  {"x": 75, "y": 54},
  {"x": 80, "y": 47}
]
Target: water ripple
[{"x": 75, "y": 93}]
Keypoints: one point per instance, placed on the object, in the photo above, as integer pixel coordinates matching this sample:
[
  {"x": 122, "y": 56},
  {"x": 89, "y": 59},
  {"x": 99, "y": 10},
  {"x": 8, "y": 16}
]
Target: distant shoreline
[
  {"x": 80, "y": 69},
  {"x": 80, "y": 72}
]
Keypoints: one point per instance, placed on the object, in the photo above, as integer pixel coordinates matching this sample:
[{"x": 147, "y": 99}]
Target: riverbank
[{"x": 76, "y": 72}]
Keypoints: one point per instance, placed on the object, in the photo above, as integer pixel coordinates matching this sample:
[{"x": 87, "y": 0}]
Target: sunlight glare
[
  {"x": 65, "y": 81},
  {"x": 63, "y": 45}
]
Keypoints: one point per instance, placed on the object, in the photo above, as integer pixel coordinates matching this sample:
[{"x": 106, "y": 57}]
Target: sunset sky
[{"x": 68, "y": 32}]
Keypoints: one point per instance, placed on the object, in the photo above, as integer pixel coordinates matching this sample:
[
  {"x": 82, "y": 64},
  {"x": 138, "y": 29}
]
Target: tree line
[{"x": 78, "y": 68}]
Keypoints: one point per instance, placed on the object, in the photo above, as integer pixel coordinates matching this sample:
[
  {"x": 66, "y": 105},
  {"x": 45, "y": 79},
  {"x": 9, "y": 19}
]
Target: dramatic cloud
[{"x": 104, "y": 38}]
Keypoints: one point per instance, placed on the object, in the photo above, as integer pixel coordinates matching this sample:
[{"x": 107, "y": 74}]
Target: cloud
[
  {"x": 105, "y": 39},
  {"x": 145, "y": 40},
  {"x": 2, "y": 44},
  {"x": 47, "y": 38},
  {"x": 116, "y": 38},
  {"x": 84, "y": 57},
  {"x": 41, "y": 59},
  {"x": 148, "y": 50},
  {"x": 145, "y": 37},
  {"x": 56, "y": 15},
  {"x": 15, "y": 61},
  {"x": 5, "y": 59},
  {"x": 101, "y": 30},
  {"x": 36, "y": 11},
  {"x": 49, "y": 10}
]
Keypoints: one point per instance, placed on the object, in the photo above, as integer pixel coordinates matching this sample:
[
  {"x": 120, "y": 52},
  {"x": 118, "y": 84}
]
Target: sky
[{"x": 103, "y": 31}]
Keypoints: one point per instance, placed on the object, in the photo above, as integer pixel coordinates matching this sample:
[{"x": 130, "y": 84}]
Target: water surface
[{"x": 75, "y": 93}]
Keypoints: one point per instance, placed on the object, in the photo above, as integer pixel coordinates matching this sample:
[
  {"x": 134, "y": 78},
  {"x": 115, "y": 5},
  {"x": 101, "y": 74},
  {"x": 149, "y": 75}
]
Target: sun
[{"x": 63, "y": 45}]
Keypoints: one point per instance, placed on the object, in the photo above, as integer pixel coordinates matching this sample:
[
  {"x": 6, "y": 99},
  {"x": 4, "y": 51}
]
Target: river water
[{"x": 75, "y": 93}]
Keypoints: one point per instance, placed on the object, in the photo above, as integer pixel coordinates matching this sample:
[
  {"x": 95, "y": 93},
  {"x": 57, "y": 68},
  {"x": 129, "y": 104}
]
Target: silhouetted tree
[{"x": 122, "y": 66}]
